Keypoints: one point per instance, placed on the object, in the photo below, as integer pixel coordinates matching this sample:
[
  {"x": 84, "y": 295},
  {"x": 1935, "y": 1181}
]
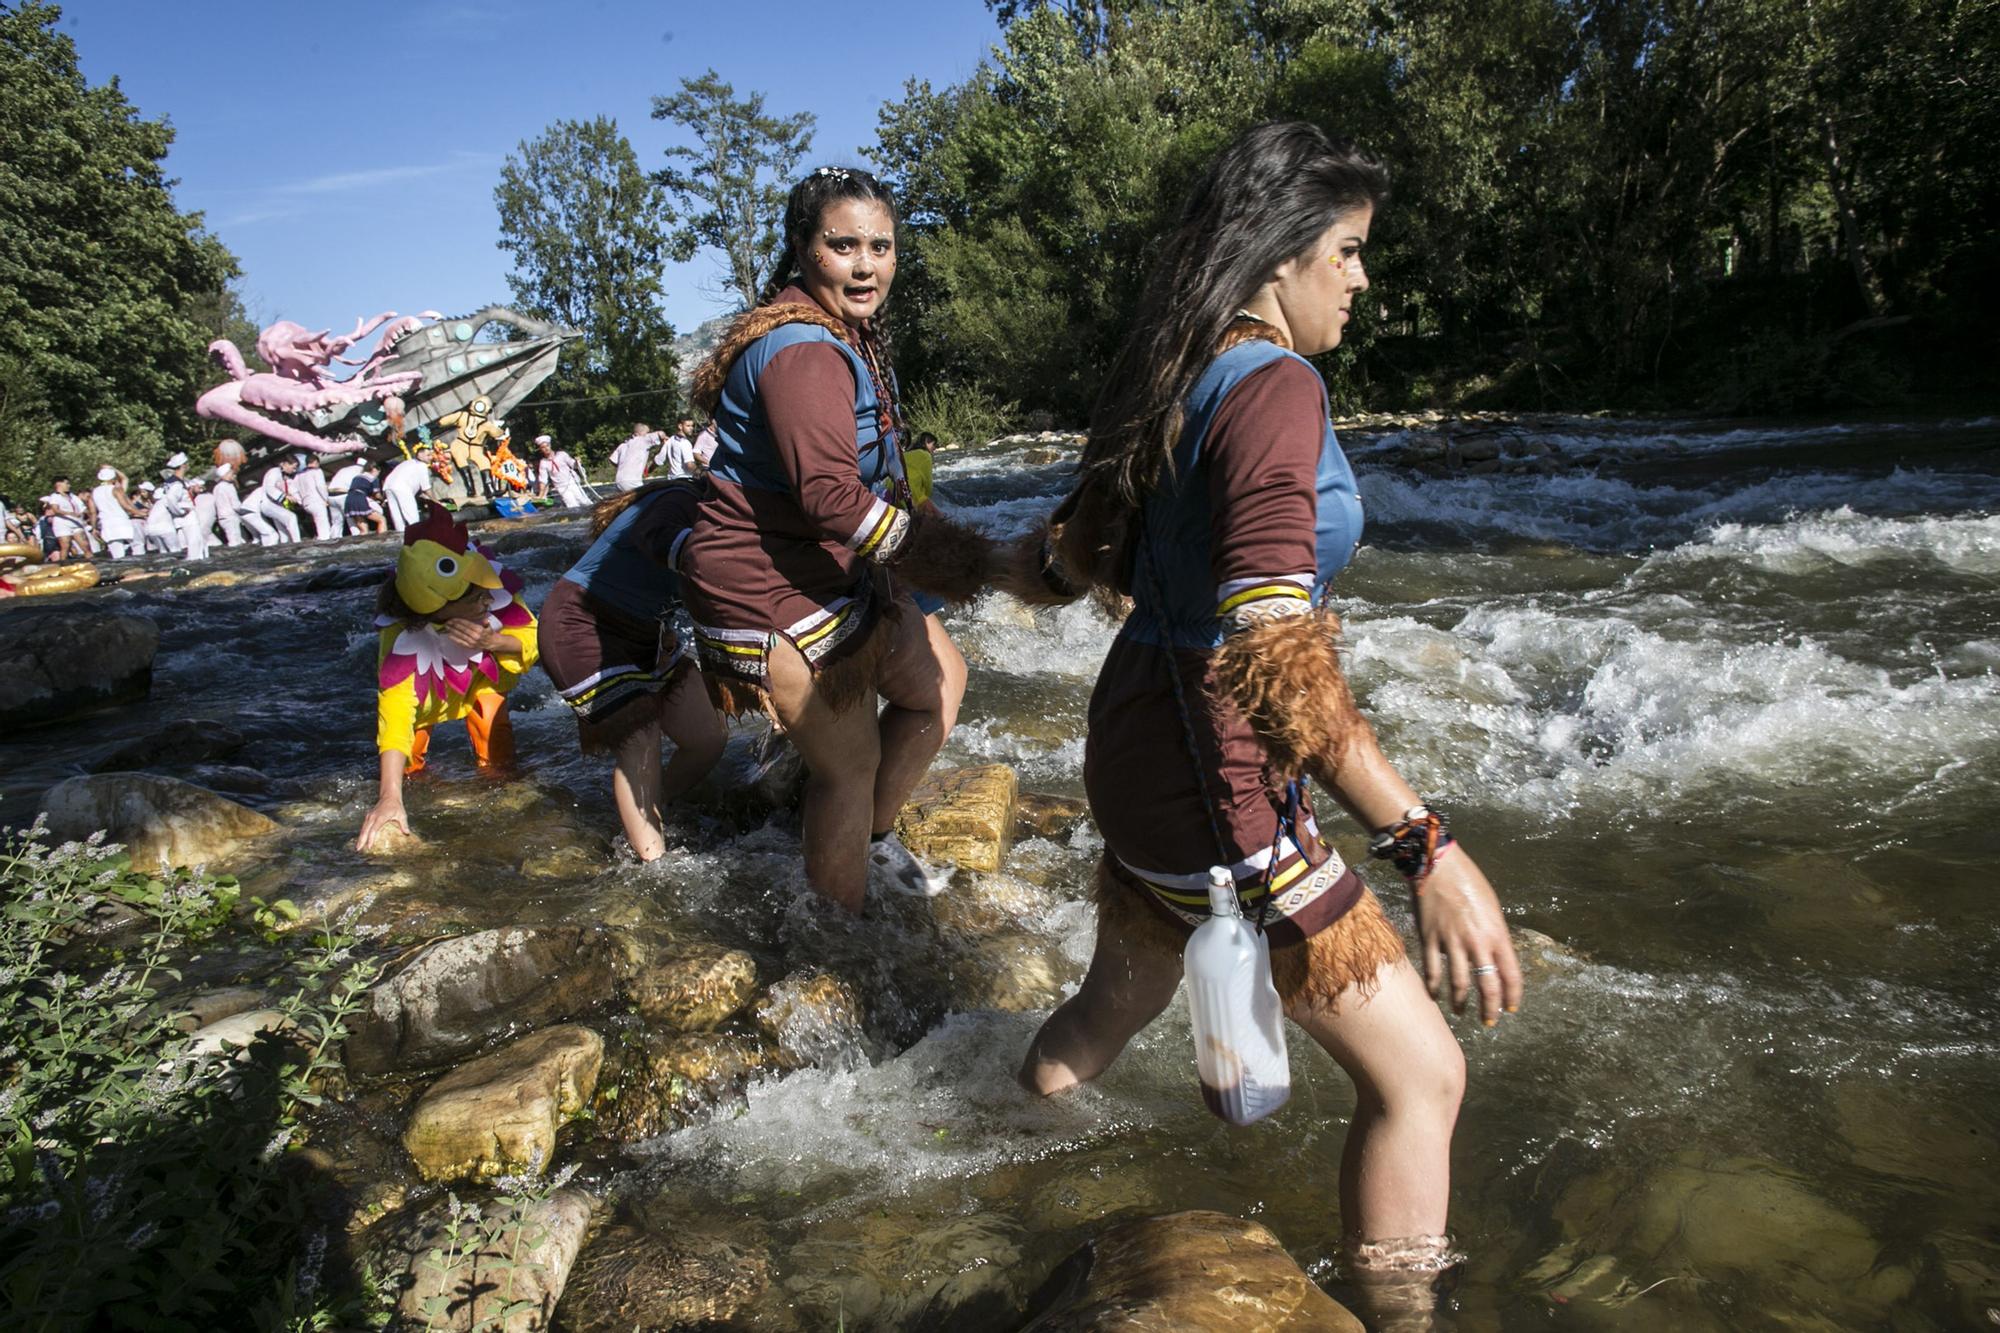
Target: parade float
[{"x": 426, "y": 370}]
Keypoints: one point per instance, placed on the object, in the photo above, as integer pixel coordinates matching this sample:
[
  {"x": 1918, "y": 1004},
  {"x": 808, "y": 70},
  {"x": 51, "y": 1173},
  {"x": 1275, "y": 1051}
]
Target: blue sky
[{"x": 347, "y": 153}]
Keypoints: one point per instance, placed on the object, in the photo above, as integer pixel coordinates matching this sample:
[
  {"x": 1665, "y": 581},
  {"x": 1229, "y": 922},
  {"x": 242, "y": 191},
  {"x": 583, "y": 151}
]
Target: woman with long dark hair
[
  {"x": 1214, "y": 495},
  {"x": 797, "y": 573}
]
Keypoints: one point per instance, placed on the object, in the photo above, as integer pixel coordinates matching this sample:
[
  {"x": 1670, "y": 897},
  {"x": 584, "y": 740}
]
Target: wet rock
[
  {"x": 456, "y": 994},
  {"x": 569, "y": 862},
  {"x": 812, "y": 1018},
  {"x": 1736, "y": 1215},
  {"x": 663, "y": 1081},
  {"x": 1012, "y": 971},
  {"x": 161, "y": 821},
  {"x": 632, "y": 1279},
  {"x": 185, "y": 740},
  {"x": 691, "y": 988},
  {"x": 218, "y": 578},
  {"x": 394, "y": 840},
  {"x": 58, "y": 666},
  {"x": 983, "y": 905},
  {"x": 499, "y": 1114},
  {"x": 1039, "y": 815},
  {"x": 509, "y": 1253},
  {"x": 964, "y": 816},
  {"x": 1192, "y": 1270}
]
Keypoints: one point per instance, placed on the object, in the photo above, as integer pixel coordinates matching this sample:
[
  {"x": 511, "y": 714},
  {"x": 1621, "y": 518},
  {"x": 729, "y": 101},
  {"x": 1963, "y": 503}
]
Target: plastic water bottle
[{"x": 1239, "y": 1026}]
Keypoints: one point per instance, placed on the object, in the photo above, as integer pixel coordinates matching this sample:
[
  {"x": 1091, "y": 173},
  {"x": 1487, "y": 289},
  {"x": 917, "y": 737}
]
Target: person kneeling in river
[
  {"x": 609, "y": 646},
  {"x": 1214, "y": 495},
  {"x": 456, "y": 637}
]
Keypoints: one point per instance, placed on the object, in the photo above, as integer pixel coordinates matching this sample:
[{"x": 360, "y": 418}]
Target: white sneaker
[{"x": 890, "y": 862}]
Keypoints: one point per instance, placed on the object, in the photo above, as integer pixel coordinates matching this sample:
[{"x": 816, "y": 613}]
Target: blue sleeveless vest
[
  {"x": 744, "y": 453},
  {"x": 1173, "y": 556}
]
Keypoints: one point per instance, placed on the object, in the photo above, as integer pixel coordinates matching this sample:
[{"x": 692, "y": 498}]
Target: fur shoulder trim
[
  {"x": 748, "y": 328},
  {"x": 1285, "y": 676}
]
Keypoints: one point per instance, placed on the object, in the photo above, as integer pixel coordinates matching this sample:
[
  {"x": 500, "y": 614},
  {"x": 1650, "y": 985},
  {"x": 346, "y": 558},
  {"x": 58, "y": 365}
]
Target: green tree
[
  {"x": 590, "y": 234},
  {"x": 738, "y": 174},
  {"x": 108, "y": 293}
]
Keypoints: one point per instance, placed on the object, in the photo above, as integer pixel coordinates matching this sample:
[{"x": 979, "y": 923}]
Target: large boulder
[
  {"x": 632, "y": 1279},
  {"x": 161, "y": 821},
  {"x": 963, "y": 816},
  {"x": 54, "y": 667},
  {"x": 461, "y": 1269},
  {"x": 1193, "y": 1270},
  {"x": 461, "y": 992},
  {"x": 499, "y": 1114}
]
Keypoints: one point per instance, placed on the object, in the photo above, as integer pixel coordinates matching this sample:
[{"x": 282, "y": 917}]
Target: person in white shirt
[
  {"x": 115, "y": 514},
  {"x": 704, "y": 446},
  {"x": 73, "y": 516},
  {"x": 204, "y": 513},
  {"x": 336, "y": 494},
  {"x": 234, "y": 515},
  {"x": 163, "y": 533},
  {"x": 270, "y": 501},
  {"x": 630, "y": 457},
  {"x": 178, "y": 499},
  {"x": 558, "y": 472},
  {"x": 406, "y": 482},
  {"x": 310, "y": 490},
  {"x": 677, "y": 453}
]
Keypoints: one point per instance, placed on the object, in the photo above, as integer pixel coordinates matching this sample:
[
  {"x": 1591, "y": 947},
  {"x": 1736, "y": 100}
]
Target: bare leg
[
  {"x": 1131, "y": 979},
  {"x": 923, "y": 679},
  {"x": 1409, "y": 1074},
  {"x": 692, "y": 724},
  {"x": 842, "y": 752},
  {"x": 635, "y": 790}
]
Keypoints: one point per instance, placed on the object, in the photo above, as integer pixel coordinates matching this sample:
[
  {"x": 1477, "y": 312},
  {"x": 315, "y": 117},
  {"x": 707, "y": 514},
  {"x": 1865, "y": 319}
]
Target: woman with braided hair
[
  {"x": 1214, "y": 495},
  {"x": 799, "y": 569}
]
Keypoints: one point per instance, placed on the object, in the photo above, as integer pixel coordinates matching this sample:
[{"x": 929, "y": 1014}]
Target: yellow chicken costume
[{"x": 424, "y": 676}]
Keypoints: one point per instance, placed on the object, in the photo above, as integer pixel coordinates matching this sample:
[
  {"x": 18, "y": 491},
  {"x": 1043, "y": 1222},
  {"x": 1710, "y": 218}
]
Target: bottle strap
[{"x": 1208, "y": 802}]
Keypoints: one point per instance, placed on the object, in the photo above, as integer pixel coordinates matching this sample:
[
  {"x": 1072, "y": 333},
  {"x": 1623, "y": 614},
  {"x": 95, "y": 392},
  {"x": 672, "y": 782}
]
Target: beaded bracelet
[{"x": 1413, "y": 844}]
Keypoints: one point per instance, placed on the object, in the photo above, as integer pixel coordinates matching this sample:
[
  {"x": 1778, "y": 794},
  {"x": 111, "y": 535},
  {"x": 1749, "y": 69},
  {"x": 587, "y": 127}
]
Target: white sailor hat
[
  {"x": 543, "y": 439},
  {"x": 107, "y": 473},
  {"x": 178, "y": 460}
]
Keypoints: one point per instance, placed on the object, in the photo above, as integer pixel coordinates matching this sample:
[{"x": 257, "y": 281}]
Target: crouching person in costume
[
  {"x": 609, "y": 647},
  {"x": 799, "y": 571},
  {"x": 1215, "y": 496},
  {"x": 456, "y": 637}
]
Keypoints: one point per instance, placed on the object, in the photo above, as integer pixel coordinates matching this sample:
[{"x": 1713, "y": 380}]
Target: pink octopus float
[{"x": 298, "y": 383}]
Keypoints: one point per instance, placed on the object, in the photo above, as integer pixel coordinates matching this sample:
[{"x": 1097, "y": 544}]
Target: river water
[{"x": 1717, "y": 710}]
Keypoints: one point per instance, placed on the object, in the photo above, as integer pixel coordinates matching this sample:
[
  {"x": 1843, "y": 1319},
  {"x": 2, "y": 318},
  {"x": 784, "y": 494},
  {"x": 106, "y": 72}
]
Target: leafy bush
[
  {"x": 143, "y": 1185},
  {"x": 958, "y": 414}
]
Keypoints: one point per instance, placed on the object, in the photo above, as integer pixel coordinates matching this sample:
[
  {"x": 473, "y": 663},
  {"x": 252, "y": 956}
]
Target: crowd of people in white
[{"x": 185, "y": 514}]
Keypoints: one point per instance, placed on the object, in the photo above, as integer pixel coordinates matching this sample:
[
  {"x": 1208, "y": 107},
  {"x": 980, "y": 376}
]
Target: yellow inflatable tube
[
  {"x": 28, "y": 551},
  {"x": 52, "y": 579}
]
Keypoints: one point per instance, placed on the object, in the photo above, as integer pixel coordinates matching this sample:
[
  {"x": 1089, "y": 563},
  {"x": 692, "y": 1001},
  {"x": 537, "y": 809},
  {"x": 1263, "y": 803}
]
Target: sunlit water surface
[{"x": 1718, "y": 712}]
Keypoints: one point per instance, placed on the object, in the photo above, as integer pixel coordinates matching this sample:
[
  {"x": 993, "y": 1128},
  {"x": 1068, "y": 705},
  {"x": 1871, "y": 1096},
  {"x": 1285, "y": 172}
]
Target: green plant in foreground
[{"x": 143, "y": 1185}]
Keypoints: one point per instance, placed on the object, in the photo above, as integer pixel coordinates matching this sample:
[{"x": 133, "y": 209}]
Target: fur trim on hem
[
  {"x": 841, "y": 683},
  {"x": 748, "y": 328},
  {"x": 1348, "y": 957},
  {"x": 1285, "y": 677},
  {"x": 945, "y": 558}
]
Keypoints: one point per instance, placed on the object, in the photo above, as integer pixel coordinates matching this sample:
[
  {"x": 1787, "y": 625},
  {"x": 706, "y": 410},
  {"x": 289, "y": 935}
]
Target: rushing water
[{"x": 1718, "y": 712}]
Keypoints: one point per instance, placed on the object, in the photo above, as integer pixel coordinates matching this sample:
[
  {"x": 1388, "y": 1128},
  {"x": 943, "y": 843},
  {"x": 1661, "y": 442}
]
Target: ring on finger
[{"x": 1485, "y": 970}]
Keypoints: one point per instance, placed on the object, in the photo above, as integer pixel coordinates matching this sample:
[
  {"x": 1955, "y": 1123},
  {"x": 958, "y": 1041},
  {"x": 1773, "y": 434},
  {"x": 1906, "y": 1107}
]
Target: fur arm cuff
[
  {"x": 1028, "y": 570},
  {"x": 1284, "y": 674},
  {"x": 944, "y": 557}
]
